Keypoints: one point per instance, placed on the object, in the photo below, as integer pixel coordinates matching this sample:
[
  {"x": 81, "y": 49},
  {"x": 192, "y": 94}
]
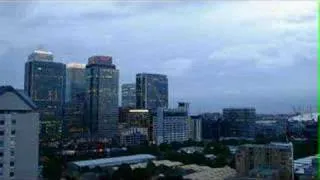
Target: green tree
[
  {"x": 141, "y": 174},
  {"x": 125, "y": 171},
  {"x": 151, "y": 168},
  {"x": 52, "y": 168}
]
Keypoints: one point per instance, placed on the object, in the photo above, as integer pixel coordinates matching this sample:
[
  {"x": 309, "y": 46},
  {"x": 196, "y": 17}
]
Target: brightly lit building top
[
  {"x": 40, "y": 55},
  {"x": 76, "y": 66},
  {"x": 100, "y": 61},
  {"x": 103, "y": 60}
]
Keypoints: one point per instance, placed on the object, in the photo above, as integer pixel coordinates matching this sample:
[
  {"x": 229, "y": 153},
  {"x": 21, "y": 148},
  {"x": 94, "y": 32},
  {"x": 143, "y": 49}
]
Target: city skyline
[{"x": 278, "y": 72}]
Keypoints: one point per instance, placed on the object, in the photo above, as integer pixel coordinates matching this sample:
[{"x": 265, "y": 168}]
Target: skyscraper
[
  {"x": 45, "y": 83},
  {"x": 19, "y": 132},
  {"x": 75, "y": 80},
  {"x": 151, "y": 91},
  {"x": 75, "y": 99},
  {"x": 102, "y": 101},
  {"x": 128, "y": 94}
]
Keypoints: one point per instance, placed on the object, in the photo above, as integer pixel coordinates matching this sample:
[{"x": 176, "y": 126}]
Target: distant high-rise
[
  {"x": 75, "y": 100},
  {"x": 19, "y": 131},
  {"x": 128, "y": 94},
  {"x": 240, "y": 122},
  {"x": 45, "y": 83},
  {"x": 75, "y": 80},
  {"x": 102, "y": 101},
  {"x": 151, "y": 91},
  {"x": 171, "y": 124},
  {"x": 195, "y": 124}
]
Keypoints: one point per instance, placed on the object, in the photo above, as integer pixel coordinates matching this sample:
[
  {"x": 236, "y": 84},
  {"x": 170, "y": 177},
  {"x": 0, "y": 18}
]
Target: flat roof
[
  {"x": 115, "y": 160},
  {"x": 207, "y": 173}
]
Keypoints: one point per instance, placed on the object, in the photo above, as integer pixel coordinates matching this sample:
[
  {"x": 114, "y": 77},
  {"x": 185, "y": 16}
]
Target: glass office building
[
  {"x": 75, "y": 80},
  {"x": 128, "y": 95},
  {"x": 102, "y": 101},
  {"x": 151, "y": 91},
  {"x": 45, "y": 82}
]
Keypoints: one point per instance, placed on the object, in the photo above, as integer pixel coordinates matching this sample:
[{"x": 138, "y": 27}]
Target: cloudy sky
[{"x": 216, "y": 54}]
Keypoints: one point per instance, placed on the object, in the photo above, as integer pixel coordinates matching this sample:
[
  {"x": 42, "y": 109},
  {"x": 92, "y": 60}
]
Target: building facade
[
  {"x": 133, "y": 119},
  {"x": 102, "y": 101},
  {"x": 45, "y": 83},
  {"x": 75, "y": 80},
  {"x": 171, "y": 124},
  {"x": 151, "y": 91},
  {"x": 240, "y": 122},
  {"x": 195, "y": 128},
  {"x": 210, "y": 126},
  {"x": 73, "y": 119},
  {"x": 128, "y": 95},
  {"x": 19, "y": 132},
  {"x": 276, "y": 156},
  {"x": 133, "y": 136}
]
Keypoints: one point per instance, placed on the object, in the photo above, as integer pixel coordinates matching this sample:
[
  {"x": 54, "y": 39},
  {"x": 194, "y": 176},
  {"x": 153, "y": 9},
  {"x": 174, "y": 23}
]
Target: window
[
  {"x": 12, "y": 152},
  {"x": 1, "y": 154},
  {"x": 1, "y": 133},
  {"x": 11, "y": 163},
  {"x": 2, "y": 122},
  {"x": 11, "y": 174},
  {"x": 1, "y": 165},
  {"x": 13, "y": 121},
  {"x": 13, "y": 132}
]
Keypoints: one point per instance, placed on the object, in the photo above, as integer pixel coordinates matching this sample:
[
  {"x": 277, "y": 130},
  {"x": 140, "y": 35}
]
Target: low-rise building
[
  {"x": 133, "y": 136},
  {"x": 307, "y": 168},
  {"x": 277, "y": 156},
  {"x": 75, "y": 168},
  {"x": 208, "y": 173}
]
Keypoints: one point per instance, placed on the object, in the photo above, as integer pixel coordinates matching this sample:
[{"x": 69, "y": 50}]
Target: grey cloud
[{"x": 175, "y": 39}]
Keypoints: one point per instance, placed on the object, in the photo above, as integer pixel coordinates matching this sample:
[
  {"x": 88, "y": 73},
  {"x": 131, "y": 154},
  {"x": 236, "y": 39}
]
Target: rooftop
[
  {"x": 277, "y": 145},
  {"x": 42, "y": 52},
  {"x": 305, "y": 117},
  {"x": 114, "y": 161},
  {"x": 207, "y": 173},
  {"x": 301, "y": 164},
  {"x": 20, "y": 94},
  {"x": 76, "y": 65}
]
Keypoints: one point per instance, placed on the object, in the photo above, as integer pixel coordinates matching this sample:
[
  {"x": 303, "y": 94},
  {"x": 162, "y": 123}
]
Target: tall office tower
[
  {"x": 45, "y": 83},
  {"x": 75, "y": 80},
  {"x": 102, "y": 101},
  {"x": 19, "y": 132},
  {"x": 241, "y": 122},
  {"x": 252, "y": 159},
  {"x": 171, "y": 125},
  {"x": 75, "y": 99},
  {"x": 151, "y": 91},
  {"x": 195, "y": 124},
  {"x": 128, "y": 94}
]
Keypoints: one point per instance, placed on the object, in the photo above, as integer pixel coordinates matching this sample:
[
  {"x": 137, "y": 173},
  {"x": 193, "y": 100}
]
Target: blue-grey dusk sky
[{"x": 216, "y": 54}]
